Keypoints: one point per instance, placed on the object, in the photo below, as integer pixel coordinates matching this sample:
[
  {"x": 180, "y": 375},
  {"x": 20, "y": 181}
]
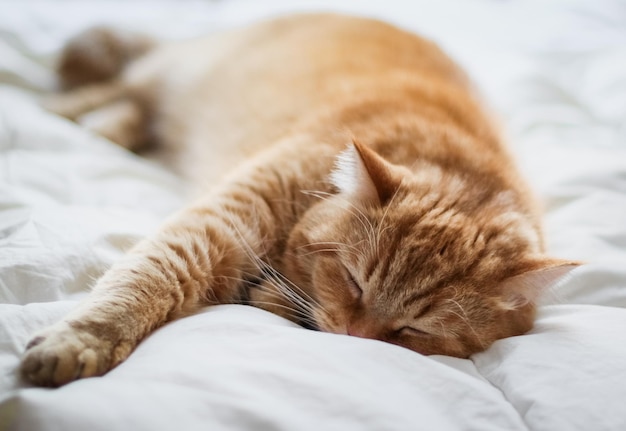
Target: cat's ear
[
  {"x": 364, "y": 176},
  {"x": 526, "y": 288}
]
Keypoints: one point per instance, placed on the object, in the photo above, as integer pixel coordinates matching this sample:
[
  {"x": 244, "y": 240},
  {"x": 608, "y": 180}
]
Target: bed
[{"x": 71, "y": 203}]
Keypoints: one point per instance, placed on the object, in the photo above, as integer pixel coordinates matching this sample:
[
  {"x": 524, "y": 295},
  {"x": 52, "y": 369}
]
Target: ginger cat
[{"x": 353, "y": 184}]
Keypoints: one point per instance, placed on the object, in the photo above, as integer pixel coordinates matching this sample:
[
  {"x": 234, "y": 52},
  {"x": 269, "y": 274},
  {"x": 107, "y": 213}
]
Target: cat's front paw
[{"x": 62, "y": 354}]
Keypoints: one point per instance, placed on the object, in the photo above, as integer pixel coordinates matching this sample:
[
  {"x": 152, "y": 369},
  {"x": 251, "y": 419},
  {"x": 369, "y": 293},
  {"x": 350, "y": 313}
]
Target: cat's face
[{"x": 435, "y": 267}]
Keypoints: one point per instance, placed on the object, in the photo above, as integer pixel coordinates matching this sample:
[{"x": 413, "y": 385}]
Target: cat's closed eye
[
  {"x": 411, "y": 331},
  {"x": 355, "y": 289}
]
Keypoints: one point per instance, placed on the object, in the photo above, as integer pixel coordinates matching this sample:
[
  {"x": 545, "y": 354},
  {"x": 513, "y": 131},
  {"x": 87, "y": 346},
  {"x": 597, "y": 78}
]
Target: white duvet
[{"x": 71, "y": 203}]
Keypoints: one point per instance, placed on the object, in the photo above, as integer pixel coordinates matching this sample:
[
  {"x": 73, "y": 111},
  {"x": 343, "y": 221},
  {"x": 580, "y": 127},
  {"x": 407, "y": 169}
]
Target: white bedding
[{"x": 71, "y": 203}]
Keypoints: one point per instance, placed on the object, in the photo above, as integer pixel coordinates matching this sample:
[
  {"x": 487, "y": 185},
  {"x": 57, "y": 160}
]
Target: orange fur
[{"x": 425, "y": 237}]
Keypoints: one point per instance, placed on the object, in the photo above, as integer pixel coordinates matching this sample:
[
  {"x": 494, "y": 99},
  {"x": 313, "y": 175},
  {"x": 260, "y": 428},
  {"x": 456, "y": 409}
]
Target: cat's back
[
  {"x": 242, "y": 90},
  {"x": 309, "y": 54}
]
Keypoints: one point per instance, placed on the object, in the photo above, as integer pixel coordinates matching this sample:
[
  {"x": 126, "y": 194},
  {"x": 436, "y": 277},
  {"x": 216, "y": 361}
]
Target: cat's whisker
[
  {"x": 441, "y": 322},
  {"x": 303, "y": 314},
  {"x": 291, "y": 286},
  {"x": 465, "y": 319},
  {"x": 381, "y": 229},
  {"x": 291, "y": 202},
  {"x": 298, "y": 314},
  {"x": 322, "y": 250},
  {"x": 349, "y": 250},
  {"x": 290, "y": 290},
  {"x": 443, "y": 328},
  {"x": 272, "y": 277},
  {"x": 356, "y": 210},
  {"x": 362, "y": 218},
  {"x": 303, "y": 310},
  {"x": 288, "y": 294},
  {"x": 329, "y": 243}
]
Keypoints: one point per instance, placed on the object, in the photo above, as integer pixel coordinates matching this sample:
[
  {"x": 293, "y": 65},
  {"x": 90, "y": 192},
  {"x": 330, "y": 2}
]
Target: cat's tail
[{"x": 99, "y": 54}]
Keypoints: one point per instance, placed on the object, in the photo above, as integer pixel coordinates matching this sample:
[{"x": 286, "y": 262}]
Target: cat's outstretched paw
[{"x": 62, "y": 354}]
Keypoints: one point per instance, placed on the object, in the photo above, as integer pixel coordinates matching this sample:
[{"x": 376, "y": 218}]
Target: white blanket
[{"x": 71, "y": 203}]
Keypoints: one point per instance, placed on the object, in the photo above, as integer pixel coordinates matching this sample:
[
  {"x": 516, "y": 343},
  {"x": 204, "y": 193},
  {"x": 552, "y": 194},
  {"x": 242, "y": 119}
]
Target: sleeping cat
[{"x": 348, "y": 179}]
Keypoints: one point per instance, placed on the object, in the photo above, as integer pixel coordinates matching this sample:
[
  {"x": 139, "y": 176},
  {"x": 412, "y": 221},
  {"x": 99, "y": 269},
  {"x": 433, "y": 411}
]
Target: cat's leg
[
  {"x": 104, "y": 109},
  {"x": 197, "y": 258},
  {"x": 123, "y": 122},
  {"x": 72, "y": 104},
  {"x": 99, "y": 54}
]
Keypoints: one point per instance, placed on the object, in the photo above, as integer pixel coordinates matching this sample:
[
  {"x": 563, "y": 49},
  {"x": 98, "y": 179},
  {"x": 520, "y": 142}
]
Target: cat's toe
[{"x": 63, "y": 355}]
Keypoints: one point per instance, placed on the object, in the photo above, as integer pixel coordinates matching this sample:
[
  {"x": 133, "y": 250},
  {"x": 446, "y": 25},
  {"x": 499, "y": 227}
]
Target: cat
[{"x": 349, "y": 180}]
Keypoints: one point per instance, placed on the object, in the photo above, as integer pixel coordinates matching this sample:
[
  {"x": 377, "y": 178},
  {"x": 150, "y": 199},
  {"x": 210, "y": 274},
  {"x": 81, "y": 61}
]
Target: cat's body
[{"x": 434, "y": 246}]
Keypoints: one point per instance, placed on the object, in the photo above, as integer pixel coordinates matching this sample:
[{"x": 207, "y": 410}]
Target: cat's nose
[
  {"x": 355, "y": 332},
  {"x": 363, "y": 330}
]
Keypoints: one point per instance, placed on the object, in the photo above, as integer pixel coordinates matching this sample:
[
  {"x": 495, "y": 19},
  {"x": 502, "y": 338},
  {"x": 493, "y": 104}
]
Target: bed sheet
[{"x": 71, "y": 204}]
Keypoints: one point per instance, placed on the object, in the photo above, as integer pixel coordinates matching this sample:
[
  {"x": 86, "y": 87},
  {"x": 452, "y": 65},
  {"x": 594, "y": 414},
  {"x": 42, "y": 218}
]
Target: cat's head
[{"x": 434, "y": 260}]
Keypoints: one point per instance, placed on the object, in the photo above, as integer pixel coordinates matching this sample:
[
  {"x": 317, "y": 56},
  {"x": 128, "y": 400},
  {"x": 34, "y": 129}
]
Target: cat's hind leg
[
  {"x": 74, "y": 103},
  {"x": 123, "y": 122},
  {"x": 90, "y": 72},
  {"x": 99, "y": 55},
  {"x": 105, "y": 109}
]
